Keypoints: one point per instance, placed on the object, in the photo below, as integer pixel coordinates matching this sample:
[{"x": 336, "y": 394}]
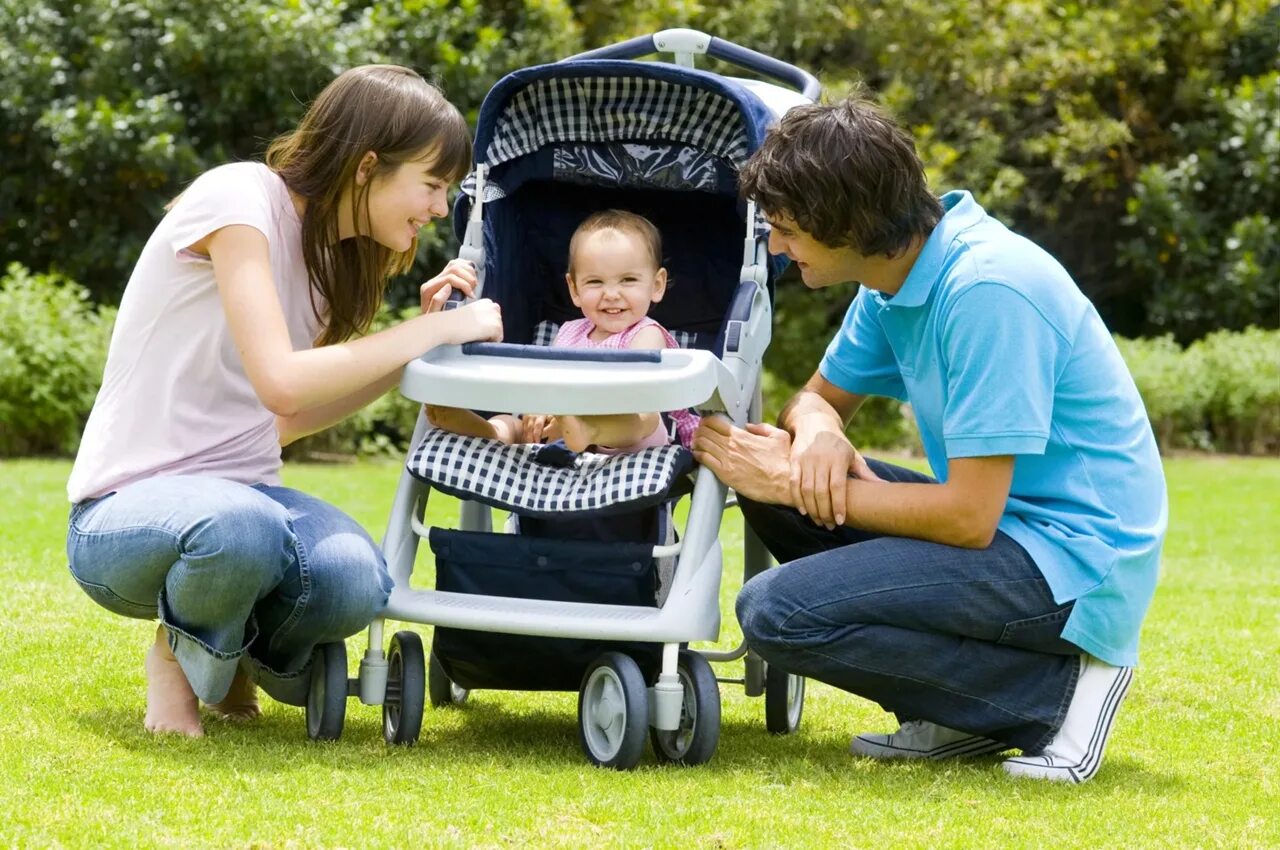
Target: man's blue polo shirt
[{"x": 1000, "y": 353}]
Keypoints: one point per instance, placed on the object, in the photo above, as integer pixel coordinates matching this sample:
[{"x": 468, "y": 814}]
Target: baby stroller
[{"x": 570, "y": 601}]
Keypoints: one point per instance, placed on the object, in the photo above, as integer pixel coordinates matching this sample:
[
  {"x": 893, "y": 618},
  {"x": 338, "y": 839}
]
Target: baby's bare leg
[
  {"x": 613, "y": 430},
  {"x": 171, "y": 704},
  {"x": 460, "y": 421}
]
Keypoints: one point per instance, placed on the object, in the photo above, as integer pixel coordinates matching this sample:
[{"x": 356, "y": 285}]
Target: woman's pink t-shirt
[{"x": 175, "y": 399}]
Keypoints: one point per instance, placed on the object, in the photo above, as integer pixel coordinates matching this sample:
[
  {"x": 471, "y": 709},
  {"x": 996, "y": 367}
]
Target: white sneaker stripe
[
  {"x": 974, "y": 745},
  {"x": 1092, "y": 759}
]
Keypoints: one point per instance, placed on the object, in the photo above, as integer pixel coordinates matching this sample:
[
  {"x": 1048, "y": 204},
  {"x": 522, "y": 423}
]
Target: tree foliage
[{"x": 109, "y": 107}]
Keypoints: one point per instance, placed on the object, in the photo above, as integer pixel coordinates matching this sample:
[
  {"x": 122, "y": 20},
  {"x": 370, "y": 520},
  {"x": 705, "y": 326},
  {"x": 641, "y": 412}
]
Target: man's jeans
[
  {"x": 254, "y": 576},
  {"x": 965, "y": 638}
]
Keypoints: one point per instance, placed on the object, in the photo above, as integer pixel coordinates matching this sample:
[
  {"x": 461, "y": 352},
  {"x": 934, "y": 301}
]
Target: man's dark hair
[{"x": 848, "y": 174}]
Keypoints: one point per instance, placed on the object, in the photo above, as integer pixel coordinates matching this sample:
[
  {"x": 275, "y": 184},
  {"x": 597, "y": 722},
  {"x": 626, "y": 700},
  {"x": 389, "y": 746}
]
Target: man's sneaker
[
  {"x": 920, "y": 739},
  {"x": 1075, "y": 753}
]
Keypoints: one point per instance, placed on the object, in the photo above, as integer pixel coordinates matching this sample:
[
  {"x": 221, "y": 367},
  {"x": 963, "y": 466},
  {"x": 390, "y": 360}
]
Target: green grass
[{"x": 1192, "y": 763}]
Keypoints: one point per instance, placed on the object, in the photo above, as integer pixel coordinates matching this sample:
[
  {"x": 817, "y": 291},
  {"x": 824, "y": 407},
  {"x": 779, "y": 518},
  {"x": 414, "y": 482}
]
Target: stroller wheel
[
  {"x": 402, "y": 703},
  {"x": 613, "y": 711},
  {"x": 441, "y": 689},
  {"x": 699, "y": 733},
  {"x": 327, "y": 695},
  {"x": 783, "y": 701}
]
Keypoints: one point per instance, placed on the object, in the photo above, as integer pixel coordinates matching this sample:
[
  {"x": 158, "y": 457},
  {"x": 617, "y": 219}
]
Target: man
[{"x": 996, "y": 605}]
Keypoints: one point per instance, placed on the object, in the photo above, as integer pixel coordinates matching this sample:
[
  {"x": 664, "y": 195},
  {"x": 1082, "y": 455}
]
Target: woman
[{"x": 234, "y": 337}]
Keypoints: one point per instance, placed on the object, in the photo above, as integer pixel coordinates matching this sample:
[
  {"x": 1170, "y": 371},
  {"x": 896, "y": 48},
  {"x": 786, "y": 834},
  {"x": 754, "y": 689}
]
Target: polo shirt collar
[{"x": 960, "y": 212}]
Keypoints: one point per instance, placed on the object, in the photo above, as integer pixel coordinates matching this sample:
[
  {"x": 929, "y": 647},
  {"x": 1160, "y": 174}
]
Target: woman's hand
[
  {"x": 457, "y": 274},
  {"x": 480, "y": 320}
]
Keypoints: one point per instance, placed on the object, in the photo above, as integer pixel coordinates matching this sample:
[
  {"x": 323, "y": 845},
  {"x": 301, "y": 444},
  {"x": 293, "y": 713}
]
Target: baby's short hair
[{"x": 623, "y": 222}]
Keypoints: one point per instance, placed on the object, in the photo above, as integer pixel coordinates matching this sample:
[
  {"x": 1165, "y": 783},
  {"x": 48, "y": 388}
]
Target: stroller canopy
[
  {"x": 662, "y": 126},
  {"x": 563, "y": 140}
]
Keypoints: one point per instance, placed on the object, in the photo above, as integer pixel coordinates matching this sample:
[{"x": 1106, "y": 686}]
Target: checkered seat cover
[{"x": 547, "y": 481}]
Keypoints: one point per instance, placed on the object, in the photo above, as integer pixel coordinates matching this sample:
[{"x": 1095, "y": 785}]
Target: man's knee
[{"x": 760, "y": 613}]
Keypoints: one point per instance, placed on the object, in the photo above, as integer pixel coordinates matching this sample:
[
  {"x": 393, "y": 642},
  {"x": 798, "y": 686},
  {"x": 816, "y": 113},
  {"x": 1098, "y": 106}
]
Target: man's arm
[
  {"x": 964, "y": 511},
  {"x": 821, "y": 455},
  {"x": 821, "y": 405}
]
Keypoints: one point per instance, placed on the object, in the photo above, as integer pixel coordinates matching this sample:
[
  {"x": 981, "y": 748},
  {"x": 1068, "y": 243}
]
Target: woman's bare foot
[
  {"x": 241, "y": 702},
  {"x": 171, "y": 704}
]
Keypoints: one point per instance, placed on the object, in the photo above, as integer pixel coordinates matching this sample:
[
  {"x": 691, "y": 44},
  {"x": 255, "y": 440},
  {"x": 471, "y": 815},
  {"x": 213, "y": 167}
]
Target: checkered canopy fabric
[
  {"x": 614, "y": 108},
  {"x": 546, "y": 481}
]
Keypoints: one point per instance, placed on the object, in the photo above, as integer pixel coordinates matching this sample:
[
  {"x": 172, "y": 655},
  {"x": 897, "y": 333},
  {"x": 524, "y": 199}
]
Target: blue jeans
[
  {"x": 965, "y": 638},
  {"x": 251, "y": 576}
]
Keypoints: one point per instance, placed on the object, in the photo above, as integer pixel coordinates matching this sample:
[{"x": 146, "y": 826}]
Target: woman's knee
[{"x": 349, "y": 583}]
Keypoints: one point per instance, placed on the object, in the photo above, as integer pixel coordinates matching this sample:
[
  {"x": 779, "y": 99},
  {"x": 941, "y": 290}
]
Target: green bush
[
  {"x": 1175, "y": 386},
  {"x": 1207, "y": 228},
  {"x": 53, "y": 345},
  {"x": 1244, "y": 407}
]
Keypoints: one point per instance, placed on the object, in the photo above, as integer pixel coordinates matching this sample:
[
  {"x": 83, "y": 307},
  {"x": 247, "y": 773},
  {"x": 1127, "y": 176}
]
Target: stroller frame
[{"x": 493, "y": 377}]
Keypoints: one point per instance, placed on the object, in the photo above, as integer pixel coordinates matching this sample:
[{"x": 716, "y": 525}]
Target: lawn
[{"x": 1192, "y": 763}]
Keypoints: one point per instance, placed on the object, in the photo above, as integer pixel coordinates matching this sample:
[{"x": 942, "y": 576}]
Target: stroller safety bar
[
  {"x": 658, "y": 551},
  {"x": 672, "y": 623},
  {"x": 511, "y": 378}
]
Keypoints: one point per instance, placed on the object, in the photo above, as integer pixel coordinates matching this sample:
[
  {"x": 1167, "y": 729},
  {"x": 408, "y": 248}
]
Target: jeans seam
[
  {"x": 259, "y": 664},
  {"x": 1013, "y": 626},
  {"x": 85, "y": 584},
  {"x": 304, "y": 578}
]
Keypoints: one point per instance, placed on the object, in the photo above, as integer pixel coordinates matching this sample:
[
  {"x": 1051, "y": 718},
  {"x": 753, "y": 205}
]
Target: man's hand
[
  {"x": 754, "y": 462},
  {"x": 821, "y": 462}
]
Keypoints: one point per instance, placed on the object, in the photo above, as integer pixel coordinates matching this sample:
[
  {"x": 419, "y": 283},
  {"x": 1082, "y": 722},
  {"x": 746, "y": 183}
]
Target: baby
[{"x": 615, "y": 274}]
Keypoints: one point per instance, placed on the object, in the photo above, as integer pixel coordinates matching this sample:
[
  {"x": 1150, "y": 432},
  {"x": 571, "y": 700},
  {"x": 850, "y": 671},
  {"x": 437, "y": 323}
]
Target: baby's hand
[
  {"x": 533, "y": 427},
  {"x": 479, "y": 320}
]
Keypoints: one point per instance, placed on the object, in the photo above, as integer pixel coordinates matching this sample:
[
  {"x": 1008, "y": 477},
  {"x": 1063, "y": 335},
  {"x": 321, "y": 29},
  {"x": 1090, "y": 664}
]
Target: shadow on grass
[{"x": 488, "y": 732}]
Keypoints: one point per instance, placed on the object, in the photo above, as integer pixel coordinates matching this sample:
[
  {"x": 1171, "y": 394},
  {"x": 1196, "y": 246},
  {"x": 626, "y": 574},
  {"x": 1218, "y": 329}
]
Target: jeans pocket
[
  {"x": 1042, "y": 633},
  {"x": 107, "y": 598}
]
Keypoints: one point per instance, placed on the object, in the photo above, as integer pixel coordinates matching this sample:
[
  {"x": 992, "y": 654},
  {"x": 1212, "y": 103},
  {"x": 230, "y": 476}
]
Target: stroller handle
[{"x": 692, "y": 41}]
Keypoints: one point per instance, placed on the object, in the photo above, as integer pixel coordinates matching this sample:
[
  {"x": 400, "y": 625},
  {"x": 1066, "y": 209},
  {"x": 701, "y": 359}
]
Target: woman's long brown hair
[{"x": 398, "y": 115}]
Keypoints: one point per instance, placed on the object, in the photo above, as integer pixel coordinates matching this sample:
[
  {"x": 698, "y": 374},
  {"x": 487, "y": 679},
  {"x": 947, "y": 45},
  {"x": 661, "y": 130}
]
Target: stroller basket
[{"x": 523, "y": 567}]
